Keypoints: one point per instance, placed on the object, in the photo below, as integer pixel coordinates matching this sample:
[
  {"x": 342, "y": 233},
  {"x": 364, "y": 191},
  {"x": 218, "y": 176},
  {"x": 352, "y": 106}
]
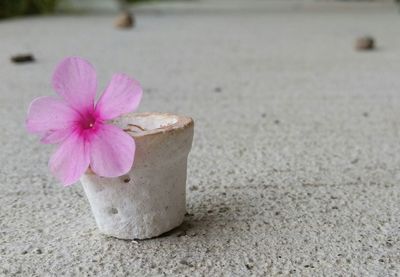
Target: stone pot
[{"x": 151, "y": 198}]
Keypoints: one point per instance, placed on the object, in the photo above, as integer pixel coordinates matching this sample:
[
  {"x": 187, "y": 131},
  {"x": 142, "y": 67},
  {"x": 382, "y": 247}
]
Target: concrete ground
[{"x": 295, "y": 167}]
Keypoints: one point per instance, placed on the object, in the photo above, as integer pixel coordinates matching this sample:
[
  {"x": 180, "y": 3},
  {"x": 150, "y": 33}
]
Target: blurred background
[{"x": 10, "y": 8}]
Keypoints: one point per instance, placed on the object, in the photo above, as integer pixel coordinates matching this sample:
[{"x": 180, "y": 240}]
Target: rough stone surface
[{"x": 295, "y": 164}]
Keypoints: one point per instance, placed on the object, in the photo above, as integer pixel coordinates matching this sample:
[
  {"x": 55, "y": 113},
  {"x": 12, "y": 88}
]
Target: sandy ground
[{"x": 295, "y": 166}]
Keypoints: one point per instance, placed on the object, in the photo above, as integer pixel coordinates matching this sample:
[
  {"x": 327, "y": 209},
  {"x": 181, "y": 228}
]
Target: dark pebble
[
  {"x": 125, "y": 20},
  {"x": 365, "y": 43},
  {"x": 23, "y": 58}
]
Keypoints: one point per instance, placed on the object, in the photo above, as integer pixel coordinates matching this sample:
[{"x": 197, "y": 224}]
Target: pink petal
[
  {"x": 122, "y": 95},
  {"x": 111, "y": 151},
  {"x": 75, "y": 80},
  {"x": 57, "y": 136},
  {"x": 71, "y": 159},
  {"x": 50, "y": 113}
]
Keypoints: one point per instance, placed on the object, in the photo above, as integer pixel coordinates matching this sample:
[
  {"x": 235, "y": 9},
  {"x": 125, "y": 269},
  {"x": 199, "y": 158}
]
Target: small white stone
[{"x": 151, "y": 198}]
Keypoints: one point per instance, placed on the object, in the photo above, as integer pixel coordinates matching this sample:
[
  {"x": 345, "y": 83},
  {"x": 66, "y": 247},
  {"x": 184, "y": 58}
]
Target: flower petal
[
  {"x": 75, "y": 81},
  {"x": 57, "y": 136},
  {"x": 122, "y": 95},
  {"x": 111, "y": 151},
  {"x": 71, "y": 159},
  {"x": 50, "y": 113}
]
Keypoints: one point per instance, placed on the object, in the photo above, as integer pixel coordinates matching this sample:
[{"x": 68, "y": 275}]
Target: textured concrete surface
[{"x": 295, "y": 166}]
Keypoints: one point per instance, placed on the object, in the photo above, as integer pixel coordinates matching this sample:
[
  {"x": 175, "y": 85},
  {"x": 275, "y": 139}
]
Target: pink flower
[{"x": 79, "y": 126}]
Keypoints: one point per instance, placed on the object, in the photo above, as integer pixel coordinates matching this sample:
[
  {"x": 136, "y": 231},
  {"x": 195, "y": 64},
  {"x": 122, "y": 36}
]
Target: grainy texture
[{"x": 295, "y": 164}]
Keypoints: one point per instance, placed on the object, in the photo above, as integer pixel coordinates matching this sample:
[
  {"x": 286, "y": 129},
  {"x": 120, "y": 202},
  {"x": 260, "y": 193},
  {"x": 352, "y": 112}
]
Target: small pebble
[
  {"x": 125, "y": 21},
  {"x": 185, "y": 262},
  {"x": 23, "y": 58},
  {"x": 365, "y": 43},
  {"x": 218, "y": 89},
  {"x": 354, "y": 161}
]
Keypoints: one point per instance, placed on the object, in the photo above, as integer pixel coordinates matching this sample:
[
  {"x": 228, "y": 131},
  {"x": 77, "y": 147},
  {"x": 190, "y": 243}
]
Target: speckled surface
[{"x": 295, "y": 166}]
